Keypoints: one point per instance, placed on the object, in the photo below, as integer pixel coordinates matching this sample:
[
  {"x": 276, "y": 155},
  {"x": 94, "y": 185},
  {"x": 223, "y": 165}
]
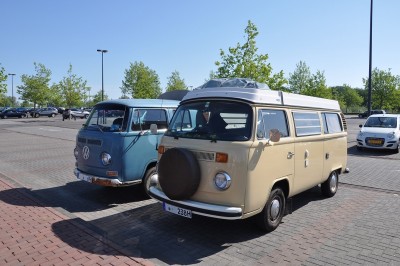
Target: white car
[
  {"x": 380, "y": 131},
  {"x": 79, "y": 113}
]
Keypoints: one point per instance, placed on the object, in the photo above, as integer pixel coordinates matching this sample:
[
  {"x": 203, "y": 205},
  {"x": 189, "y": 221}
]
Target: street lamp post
[
  {"x": 12, "y": 88},
  {"x": 370, "y": 61},
  {"x": 102, "y": 72}
]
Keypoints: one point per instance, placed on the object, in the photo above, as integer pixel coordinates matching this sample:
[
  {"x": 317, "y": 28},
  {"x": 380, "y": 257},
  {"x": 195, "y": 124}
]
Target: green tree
[
  {"x": 72, "y": 88},
  {"x": 350, "y": 97},
  {"x": 175, "y": 82},
  {"x": 3, "y": 86},
  {"x": 141, "y": 82},
  {"x": 35, "y": 88},
  {"x": 384, "y": 89},
  {"x": 97, "y": 98},
  {"x": 299, "y": 80},
  {"x": 244, "y": 62},
  {"x": 318, "y": 87}
]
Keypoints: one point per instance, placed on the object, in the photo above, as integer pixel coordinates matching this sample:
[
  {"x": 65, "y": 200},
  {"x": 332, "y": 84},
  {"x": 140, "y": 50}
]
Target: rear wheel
[
  {"x": 330, "y": 186},
  {"x": 271, "y": 216},
  {"x": 53, "y": 115},
  {"x": 36, "y": 115}
]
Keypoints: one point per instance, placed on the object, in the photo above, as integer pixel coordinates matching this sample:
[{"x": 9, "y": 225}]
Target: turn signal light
[
  {"x": 161, "y": 149},
  {"x": 221, "y": 157},
  {"x": 112, "y": 173}
]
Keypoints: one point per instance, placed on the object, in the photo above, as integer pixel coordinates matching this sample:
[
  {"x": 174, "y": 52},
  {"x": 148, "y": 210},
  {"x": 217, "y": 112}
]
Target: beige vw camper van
[{"x": 236, "y": 149}]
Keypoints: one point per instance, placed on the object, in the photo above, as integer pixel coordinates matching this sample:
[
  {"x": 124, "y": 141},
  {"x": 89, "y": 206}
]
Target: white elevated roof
[{"x": 263, "y": 96}]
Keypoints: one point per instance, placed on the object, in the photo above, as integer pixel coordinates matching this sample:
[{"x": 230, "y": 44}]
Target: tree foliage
[
  {"x": 3, "y": 87},
  {"x": 244, "y": 62},
  {"x": 35, "y": 87},
  {"x": 141, "y": 82},
  {"x": 72, "y": 89},
  {"x": 385, "y": 87},
  {"x": 302, "y": 81},
  {"x": 175, "y": 82}
]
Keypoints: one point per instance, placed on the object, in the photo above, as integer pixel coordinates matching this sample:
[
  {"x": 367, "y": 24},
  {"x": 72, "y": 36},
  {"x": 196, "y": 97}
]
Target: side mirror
[
  {"x": 274, "y": 136},
  {"x": 153, "y": 129}
]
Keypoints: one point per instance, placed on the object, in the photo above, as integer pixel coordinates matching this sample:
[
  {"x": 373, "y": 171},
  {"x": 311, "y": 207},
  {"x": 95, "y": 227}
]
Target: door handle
[{"x": 290, "y": 155}]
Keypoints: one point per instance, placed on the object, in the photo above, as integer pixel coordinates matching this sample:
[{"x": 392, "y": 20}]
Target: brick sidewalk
[{"x": 30, "y": 234}]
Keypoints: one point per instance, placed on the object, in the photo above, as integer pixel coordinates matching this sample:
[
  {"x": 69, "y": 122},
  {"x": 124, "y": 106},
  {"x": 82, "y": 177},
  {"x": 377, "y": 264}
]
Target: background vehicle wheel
[
  {"x": 4, "y": 116},
  {"x": 148, "y": 179},
  {"x": 271, "y": 216},
  {"x": 53, "y": 115},
  {"x": 359, "y": 148},
  {"x": 330, "y": 186},
  {"x": 86, "y": 116},
  {"x": 179, "y": 173},
  {"x": 36, "y": 115},
  {"x": 23, "y": 116}
]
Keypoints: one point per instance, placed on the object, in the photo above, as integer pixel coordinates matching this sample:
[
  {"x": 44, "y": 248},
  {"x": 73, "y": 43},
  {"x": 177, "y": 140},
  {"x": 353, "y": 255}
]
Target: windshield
[
  {"x": 108, "y": 118},
  {"x": 212, "y": 120},
  {"x": 386, "y": 122}
]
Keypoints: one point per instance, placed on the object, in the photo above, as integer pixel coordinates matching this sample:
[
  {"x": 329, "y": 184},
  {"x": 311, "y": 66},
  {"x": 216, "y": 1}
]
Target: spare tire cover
[{"x": 178, "y": 173}]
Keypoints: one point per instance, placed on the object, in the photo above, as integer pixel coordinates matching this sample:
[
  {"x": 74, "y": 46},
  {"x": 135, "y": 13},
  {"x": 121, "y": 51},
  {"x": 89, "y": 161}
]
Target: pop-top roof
[{"x": 261, "y": 95}]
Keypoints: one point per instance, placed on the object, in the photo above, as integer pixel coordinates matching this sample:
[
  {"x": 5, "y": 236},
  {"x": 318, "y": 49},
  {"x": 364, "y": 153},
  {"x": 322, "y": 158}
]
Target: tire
[
  {"x": 271, "y": 216},
  {"x": 359, "y": 148},
  {"x": 179, "y": 173},
  {"x": 23, "y": 116},
  {"x": 5, "y": 117},
  {"x": 86, "y": 116},
  {"x": 36, "y": 115},
  {"x": 147, "y": 180},
  {"x": 52, "y": 115},
  {"x": 330, "y": 186}
]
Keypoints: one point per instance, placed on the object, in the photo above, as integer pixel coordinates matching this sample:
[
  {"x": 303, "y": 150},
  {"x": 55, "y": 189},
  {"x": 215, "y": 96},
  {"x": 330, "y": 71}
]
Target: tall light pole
[
  {"x": 370, "y": 61},
  {"x": 12, "y": 88},
  {"x": 102, "y": 72}
]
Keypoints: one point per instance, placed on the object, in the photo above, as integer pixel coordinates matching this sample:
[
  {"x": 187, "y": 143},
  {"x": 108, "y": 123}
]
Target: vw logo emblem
[{"x": 85, "y": 152}]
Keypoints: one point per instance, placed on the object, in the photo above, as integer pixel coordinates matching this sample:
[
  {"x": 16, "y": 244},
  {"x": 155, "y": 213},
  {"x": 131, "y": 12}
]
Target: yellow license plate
[{"x": 375, "y": 141}]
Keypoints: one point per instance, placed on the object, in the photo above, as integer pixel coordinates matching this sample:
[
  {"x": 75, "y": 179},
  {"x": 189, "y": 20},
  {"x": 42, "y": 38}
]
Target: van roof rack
[{"x": 254, "y": 92}]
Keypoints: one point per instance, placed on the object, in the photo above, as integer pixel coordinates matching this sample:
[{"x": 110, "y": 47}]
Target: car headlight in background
[
  {"x": 222, "y": 181},
  {"x": 390, "y": 135},
  {"x": 105, "y": 158}
]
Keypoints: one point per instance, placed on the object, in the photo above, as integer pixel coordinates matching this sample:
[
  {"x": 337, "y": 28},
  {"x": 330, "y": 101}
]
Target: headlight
[
  {"x": 76, "y": 152},
  {"x": 105, "y": 158},
  {"x": 222, "y": 181},
  {"x": 390, "y": 135}
]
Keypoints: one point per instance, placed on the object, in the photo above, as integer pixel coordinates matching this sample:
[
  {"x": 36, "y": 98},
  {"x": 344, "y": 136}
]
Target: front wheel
[
  {"x": 149, "y": 179},
  {"x": 271, "y": 216},
  {"x": 330, "y": 186}
]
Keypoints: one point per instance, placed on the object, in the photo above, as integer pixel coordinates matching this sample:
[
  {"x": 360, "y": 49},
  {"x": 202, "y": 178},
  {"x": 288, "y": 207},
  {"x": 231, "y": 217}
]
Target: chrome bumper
[
  {"x": 102, "y": 181},
  {"x": 199, "y": 208}
]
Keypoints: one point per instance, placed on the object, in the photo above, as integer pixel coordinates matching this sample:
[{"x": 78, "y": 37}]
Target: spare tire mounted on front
[{"x": 179, "y": 173}]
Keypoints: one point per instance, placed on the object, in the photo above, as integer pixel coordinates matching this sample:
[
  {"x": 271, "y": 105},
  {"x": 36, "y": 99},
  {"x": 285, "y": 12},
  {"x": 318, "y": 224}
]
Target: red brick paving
[{"x": 27, "y": 236}]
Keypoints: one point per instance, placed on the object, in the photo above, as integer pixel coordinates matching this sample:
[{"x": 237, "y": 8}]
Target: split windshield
[
  {"x": 212, "y": 120},
  {"x": 108, "y": 118}
]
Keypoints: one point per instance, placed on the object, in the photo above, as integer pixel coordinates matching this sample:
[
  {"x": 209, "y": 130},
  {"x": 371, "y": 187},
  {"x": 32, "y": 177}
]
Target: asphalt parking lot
[{"x": 360, "y": 225}]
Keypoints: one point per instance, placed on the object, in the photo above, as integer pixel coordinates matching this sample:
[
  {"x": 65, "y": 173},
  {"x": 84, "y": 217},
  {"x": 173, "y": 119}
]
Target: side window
[
  {"x": 307, "y": 123},
  {"x": 183, "y": 121},
  {"x": 331, "y": 123},
  {"x": 143, "y": 118},
  {"x": 271, "y": 119}
]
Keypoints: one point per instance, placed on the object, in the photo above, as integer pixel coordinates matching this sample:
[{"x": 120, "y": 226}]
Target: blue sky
[{"x": 331, "y": 36}]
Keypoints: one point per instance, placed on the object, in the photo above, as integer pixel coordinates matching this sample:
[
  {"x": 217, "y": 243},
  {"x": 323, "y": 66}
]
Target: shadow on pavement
[{"x": 73, "y": 195}]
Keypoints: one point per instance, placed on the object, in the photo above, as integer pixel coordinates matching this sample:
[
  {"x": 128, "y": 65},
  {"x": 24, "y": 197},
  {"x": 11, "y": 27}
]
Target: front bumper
[
  {"x": 199, "y": 208},
  {"x": 103, "y": 181},
  {"x": 391, "y": 144}
]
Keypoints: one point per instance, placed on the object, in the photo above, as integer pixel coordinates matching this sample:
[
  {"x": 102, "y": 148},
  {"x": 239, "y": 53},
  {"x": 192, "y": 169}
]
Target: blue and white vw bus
[{"x": 117, "y": 146}]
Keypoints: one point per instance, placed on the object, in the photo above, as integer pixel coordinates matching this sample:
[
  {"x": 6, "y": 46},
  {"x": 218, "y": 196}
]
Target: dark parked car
[
  {"x": 373, "y": 112},
  {"x": 13, "y": 112},
  {"x": 48, "y": 111}
]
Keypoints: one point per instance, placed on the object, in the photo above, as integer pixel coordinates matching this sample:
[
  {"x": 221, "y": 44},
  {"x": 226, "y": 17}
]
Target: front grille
[
  {"x": 204, "y": 156},
  {"x": 96, "y": 142}
]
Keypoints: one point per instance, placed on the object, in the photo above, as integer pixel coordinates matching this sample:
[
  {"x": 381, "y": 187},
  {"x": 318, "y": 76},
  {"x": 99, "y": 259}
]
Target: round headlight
[
  {"x": 76, "y": 152},
  {"x": 222, "y": 181},
  {"x": 105, "y": 158}
]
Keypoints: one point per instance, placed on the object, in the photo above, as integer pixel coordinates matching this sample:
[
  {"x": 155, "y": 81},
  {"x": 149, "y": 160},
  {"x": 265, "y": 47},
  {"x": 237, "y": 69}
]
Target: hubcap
[
  {"x": 333, "y": 182},
  {"x": 275, "y": 207}
]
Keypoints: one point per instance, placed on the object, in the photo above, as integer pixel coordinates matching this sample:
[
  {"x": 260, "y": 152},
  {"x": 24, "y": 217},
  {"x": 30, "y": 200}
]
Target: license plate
[
  {"x": 178, "y": 211},
  {"x": 85, "y": 177},
  {"x": 375, "y": 141}
]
